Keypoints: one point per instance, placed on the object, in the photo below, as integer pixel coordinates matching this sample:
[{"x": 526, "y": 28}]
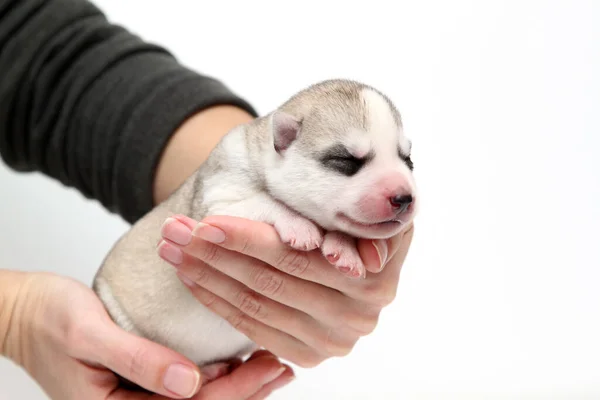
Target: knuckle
[
  {"x": 200, "y": 275},
  {"x": 207, "y": 298},
  {"x": 335, "y": 346},
  {"x": 293, "y": 262},
  {"x": 369, "y": 324},
  {"x": 310, "y": 360},
  {"x": 250, "y": 304},
  {"x": 362, "y": 323},
  {"x": 245, "y": 244},
  {"x": 379, "y": 294},
  {"x": 385, "y": 298},
  {"x": 240, "y": 322},
  {"x": 209, "y": 253},
  {"x": 138, "y": 362},
  {"x": 267, "y": 282},
  {"x": 343, "y": 350}
]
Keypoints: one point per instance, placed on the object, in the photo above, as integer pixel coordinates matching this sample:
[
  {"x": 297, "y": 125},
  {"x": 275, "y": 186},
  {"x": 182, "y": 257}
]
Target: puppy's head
[{"x": 339, "y": 156}]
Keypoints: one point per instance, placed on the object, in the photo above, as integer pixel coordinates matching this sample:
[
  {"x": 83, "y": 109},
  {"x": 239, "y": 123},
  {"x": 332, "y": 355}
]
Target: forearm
[
  {"x": 95, "y": 107},
  {"x": 191, "y": 144}
]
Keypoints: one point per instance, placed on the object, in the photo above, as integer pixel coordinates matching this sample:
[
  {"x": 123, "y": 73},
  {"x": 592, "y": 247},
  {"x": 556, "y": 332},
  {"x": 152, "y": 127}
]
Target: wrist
[
  {"x": 191, "y": 144},
  {"x": 12, "y": 288}
]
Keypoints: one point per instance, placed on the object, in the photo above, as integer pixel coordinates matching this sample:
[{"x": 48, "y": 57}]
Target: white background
[{"x": 499, "y": 295}]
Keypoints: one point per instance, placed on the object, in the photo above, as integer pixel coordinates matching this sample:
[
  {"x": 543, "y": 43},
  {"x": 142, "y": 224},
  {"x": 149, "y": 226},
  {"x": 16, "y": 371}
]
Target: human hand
[
  {"x": 291, "y": 302},
  {"x": 62, "y": 336}
]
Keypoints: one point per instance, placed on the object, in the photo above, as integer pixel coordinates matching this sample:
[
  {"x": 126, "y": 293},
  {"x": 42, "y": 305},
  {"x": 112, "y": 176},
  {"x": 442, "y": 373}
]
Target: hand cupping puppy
[{"x": 289, "y": 301}]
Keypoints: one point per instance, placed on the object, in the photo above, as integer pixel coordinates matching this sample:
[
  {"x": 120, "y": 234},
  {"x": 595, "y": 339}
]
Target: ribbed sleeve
[{"x": 88, "y": 103}]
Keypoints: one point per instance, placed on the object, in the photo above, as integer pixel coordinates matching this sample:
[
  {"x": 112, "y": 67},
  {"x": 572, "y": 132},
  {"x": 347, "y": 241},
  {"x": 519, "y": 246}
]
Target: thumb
[
  {"x": 147, "y": 364},
  {"x": 374, "y": 254}
]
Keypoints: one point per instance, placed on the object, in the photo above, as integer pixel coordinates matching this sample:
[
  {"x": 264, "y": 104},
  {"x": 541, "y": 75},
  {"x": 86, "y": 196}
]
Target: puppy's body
[{"x": 334, "y": 156}]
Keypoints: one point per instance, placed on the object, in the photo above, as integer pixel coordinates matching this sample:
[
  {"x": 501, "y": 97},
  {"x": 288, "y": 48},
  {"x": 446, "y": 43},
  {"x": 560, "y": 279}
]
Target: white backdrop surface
[{"x": 499, "y": 295}]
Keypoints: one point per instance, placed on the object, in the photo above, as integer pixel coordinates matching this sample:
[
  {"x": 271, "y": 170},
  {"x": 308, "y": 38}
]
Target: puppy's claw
[
  {"x": 352, "y": 272},
  {"x": 332, "y": 258}
]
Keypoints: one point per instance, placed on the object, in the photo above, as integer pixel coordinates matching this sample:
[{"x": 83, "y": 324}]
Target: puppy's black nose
[{"x": 401, "y": 202}]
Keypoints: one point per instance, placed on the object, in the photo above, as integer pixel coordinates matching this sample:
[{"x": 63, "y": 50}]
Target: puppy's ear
[{"x": 286, "y": 128}]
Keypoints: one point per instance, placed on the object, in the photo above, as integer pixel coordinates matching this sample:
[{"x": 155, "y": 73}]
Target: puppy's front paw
[
  {"x": 299, "y": 233},
  {"x": 341, "y": 251}
]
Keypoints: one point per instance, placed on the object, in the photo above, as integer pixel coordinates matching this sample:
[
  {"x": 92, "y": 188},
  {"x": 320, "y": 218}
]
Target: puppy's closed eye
[
  {"x": 338, "y": 159},
  {"x": 407, "y": 160},
  {"x": 345, "y": 165}
]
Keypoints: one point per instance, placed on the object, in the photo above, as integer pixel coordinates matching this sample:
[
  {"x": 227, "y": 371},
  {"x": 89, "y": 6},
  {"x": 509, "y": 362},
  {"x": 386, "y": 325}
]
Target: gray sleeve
[{"x": 89, "y": 104}]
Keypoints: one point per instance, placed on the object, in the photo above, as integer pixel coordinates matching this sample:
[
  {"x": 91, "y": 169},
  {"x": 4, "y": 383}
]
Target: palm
[{"x": 75, "y": 339}]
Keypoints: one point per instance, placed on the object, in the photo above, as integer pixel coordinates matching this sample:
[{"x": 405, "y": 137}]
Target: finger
[
  {"x": 278, "y": 342},
  {"x": 404, "y": 239},
  {"x": 286, "y": 377},
  {"x": 271, "y": 313},
  {"x": 330, "y": 307},
  {"x": 283, "y": 380},
  {"x": 145, "y": 363},
  {"x": 260, "y": 277},
  {"x": 123, "y": 394},
  {"x": 107, "y": 382},
  {"x": 244, "y": 382},
  {"x": 398, "y": 247},
  {"x": 260, "y": 241},
  {"x": 260, "y": 353},
  {"x": 235, "y": 363},
  {"x": 374, "y": 254}
]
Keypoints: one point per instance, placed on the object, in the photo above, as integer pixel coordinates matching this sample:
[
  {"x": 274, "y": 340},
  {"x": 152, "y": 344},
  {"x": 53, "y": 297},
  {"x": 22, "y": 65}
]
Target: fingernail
[
  {"x": 209, "y": 233},
  {"x": 175, "y": 231},
  {"x": 170, "y": 253},
  {"x": 283, "y": 382},
  {"x": 382, "y": 251},
  {"x": 181, "y": 380},
  {"x": 271, "y": 377}
]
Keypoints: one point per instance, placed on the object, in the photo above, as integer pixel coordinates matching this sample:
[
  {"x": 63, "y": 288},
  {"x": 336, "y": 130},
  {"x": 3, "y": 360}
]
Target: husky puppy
[{"x": 330, "y": 165}]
